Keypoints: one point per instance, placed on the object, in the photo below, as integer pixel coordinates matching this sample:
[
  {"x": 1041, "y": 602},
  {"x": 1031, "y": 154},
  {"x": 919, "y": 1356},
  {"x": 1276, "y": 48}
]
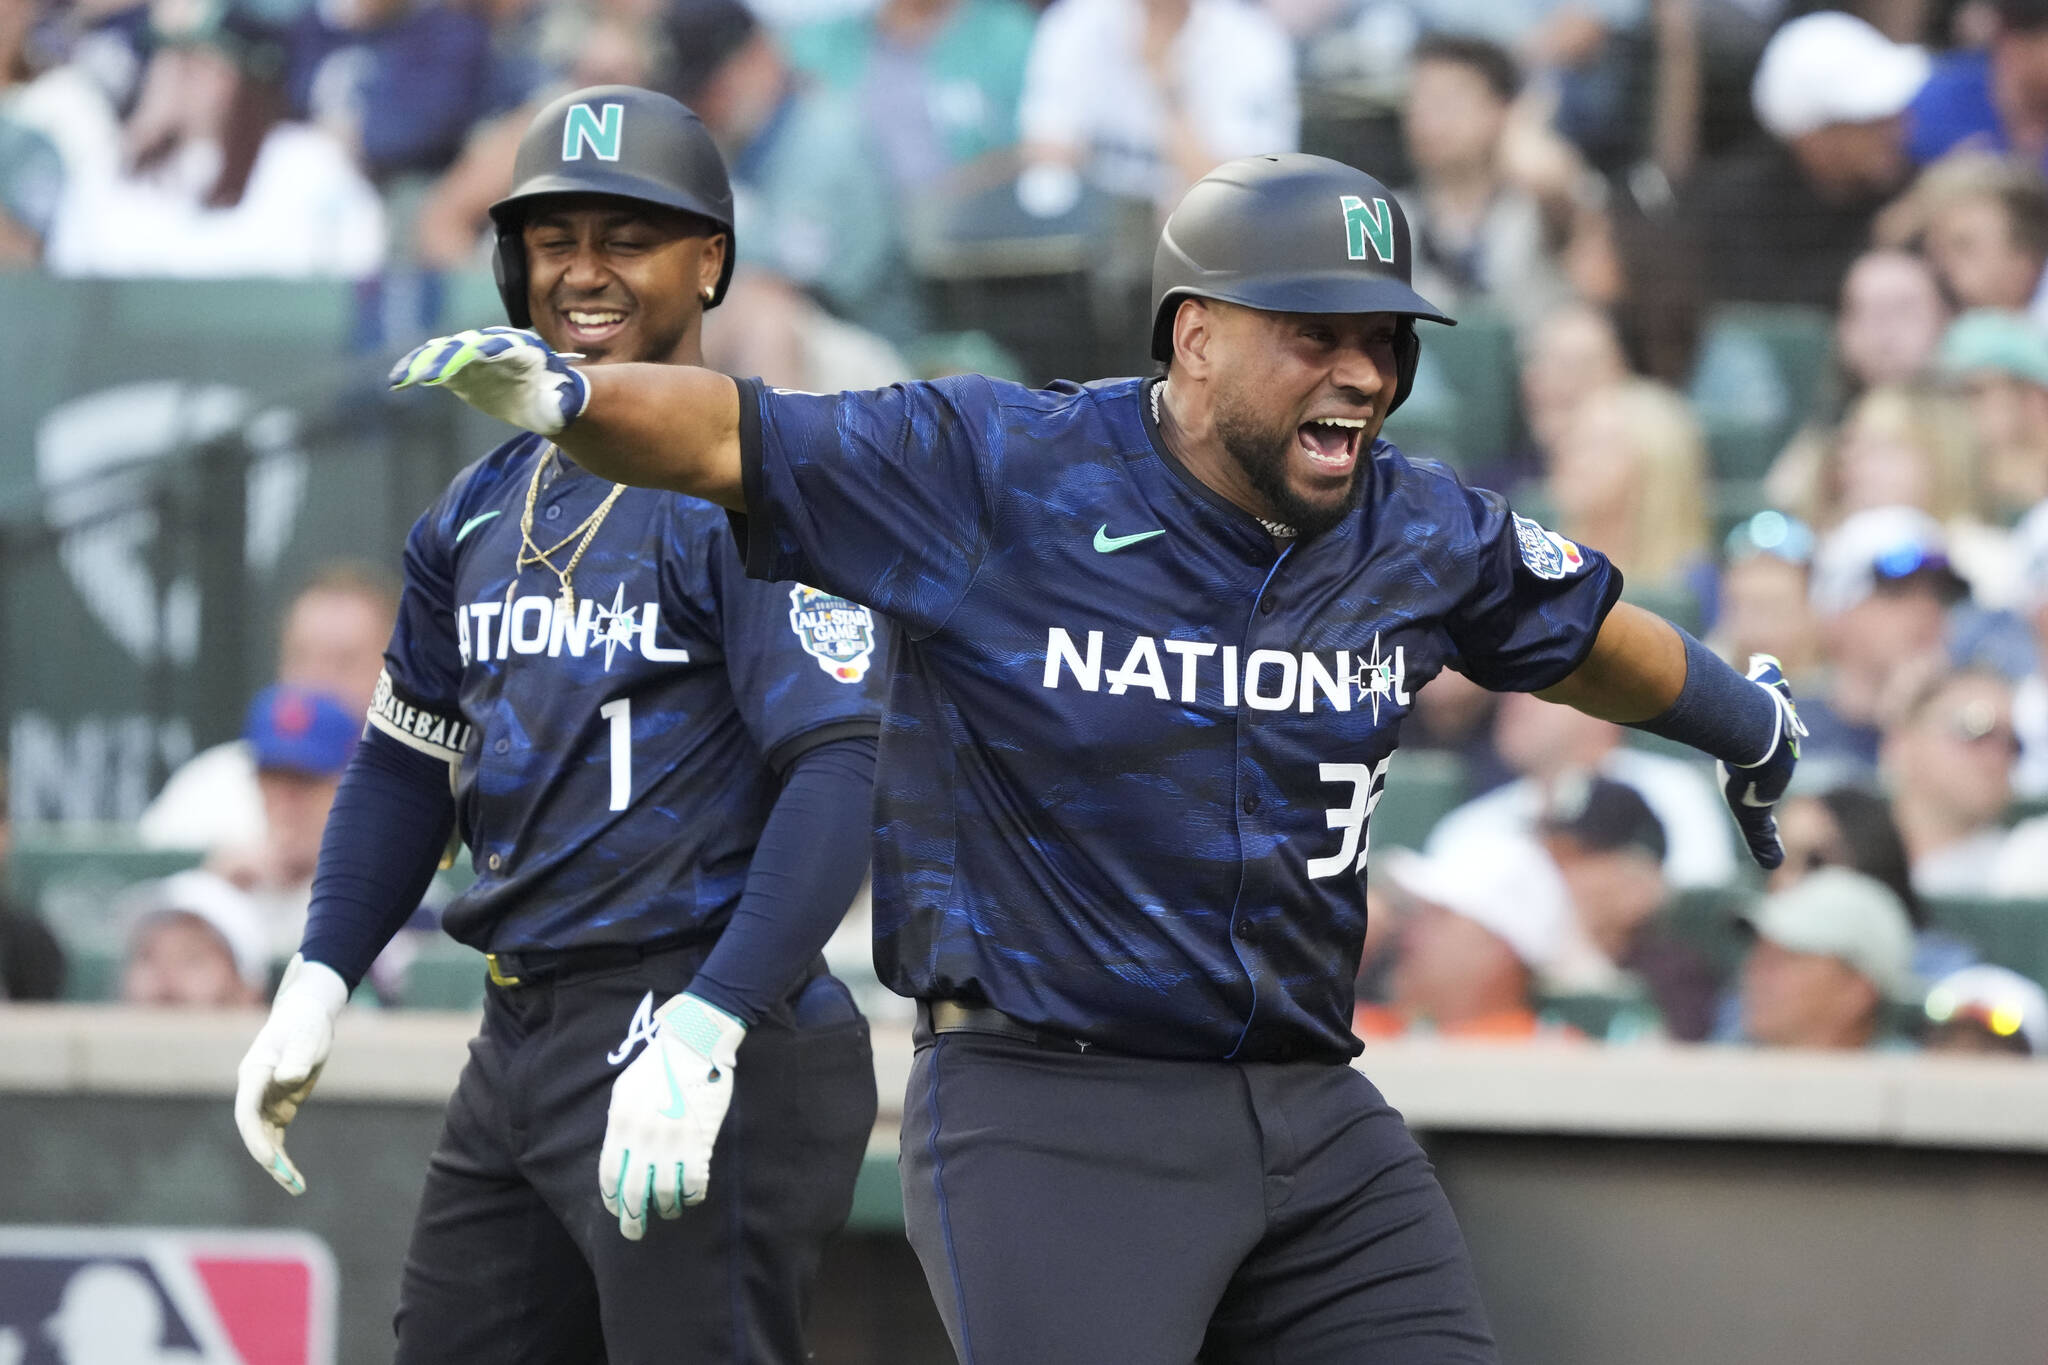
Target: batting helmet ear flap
[
  {"x": 508, "y": 267},
  {"x": 1407, "y": 355}
]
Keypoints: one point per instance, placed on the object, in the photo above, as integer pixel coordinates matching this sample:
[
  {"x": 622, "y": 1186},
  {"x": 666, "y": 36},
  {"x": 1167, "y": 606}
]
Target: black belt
[
  {"x": 533, "y": 966},
  {"x": 954, "y": 1016}
]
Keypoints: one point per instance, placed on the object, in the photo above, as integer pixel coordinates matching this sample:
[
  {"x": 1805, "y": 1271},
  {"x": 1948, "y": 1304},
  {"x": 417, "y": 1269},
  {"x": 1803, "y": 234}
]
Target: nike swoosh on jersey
[
  {"x": 1105, "y": 542},
  {"x": 474, "y": 522},
  {"x": 675, "y": 1091},
  {"x": 1749, "y": 799}
]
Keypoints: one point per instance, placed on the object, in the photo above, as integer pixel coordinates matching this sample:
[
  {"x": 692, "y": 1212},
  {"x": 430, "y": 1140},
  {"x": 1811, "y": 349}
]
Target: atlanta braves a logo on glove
[
  {"x": 511, "y": 374},
  {"x": 1754, "y": 789},
  {"x": 666, "y": 1110}
]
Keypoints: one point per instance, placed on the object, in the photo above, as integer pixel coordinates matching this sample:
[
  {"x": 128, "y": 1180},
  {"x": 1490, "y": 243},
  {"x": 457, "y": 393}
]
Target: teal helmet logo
[
  {"x": 600, "y": 132},
  {"x": 1368, "y": 223}
]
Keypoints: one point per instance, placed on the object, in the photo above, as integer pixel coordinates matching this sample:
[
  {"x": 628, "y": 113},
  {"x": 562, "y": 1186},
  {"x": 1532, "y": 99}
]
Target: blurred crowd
[{"x": 1682, "y": 212}]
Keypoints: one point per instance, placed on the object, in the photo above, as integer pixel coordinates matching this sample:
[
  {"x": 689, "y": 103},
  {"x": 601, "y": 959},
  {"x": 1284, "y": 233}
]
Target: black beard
[{"x": 1263, "y": 456}]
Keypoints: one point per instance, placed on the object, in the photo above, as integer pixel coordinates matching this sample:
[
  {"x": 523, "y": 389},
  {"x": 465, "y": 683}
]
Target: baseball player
[
  {"x": 663, "y": 771},
  {"x": 1157, "y": 640}
]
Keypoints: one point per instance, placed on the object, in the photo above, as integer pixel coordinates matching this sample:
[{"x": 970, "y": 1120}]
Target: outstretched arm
[
  {"x": 655, "y": 426},
  {"x": 1646, "y": 673}
]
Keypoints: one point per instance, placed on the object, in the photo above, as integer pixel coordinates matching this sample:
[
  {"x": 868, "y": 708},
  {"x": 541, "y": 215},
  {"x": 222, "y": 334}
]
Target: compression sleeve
[
  {"x": 385, "y": 833},
  {"x": 807, "y": 866}
]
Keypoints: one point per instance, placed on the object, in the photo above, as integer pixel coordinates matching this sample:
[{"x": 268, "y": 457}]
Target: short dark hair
[
  {"x": 1871, "y": 839},
  {"x": 1494, "y": 63},
  {"x": 2022, "y": 16}
]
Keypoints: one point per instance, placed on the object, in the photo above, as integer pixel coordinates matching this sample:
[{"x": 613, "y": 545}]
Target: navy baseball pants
[
  {"x": 1095, "y": 1209},
  {"x": 514, "y": 1260}
]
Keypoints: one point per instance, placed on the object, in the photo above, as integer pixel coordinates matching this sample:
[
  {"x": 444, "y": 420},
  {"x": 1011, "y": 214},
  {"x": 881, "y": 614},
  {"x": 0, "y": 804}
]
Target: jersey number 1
[{"x": 620, "y": 714}]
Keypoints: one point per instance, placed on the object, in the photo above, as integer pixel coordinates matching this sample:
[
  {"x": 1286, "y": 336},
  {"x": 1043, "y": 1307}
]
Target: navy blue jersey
[
  {"x": 1132, "y": 748},
  {"x": 612, "y": 766}
]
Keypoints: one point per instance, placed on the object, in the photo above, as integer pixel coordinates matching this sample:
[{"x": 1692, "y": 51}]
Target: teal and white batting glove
[
  {"x": 278, "y": 1071},
  {"x": 1754, "y": 789},
  {"x": 667, "y": 1108},
  {"x": 511, "y": 374}
]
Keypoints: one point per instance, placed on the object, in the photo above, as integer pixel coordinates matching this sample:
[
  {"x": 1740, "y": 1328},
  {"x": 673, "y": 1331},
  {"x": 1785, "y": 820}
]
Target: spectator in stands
[
  {"x": 1852, "y": 827},
  {"x": 1882, "y": 590},
  {"x": 810, "y": 205},
  {"x": 1478, "y": 237},
  {"x": 31, "y": 962},
  {"x": 1893, "y": 312},
  {"x": 2001, "y": 362},
  {"x": 937, "y": 81},
  {"x": 331, "y": 640},
  {"x": 1987, "y": 1011},
  {"x": 1609, "y": 847},
  {"x": 1544, "y": 743},
  {"x": 215, "y": 181},
  {"x": 1912, "y": 446},
  {"x": 399, "y": 84},
  {"x": 1987, "y": 237},
  {"x": 1891, "y": 319},
  {"x": 1846, "y": 826},
  {"x": 300, "y": 740},
  {"x": 1630, "y": 476},
  {"x": 1570, "y": 353},
  {"x": 2030, "y": 696},
  {"x": 195, "y": 942},
  {"x": 1585, "y": 58},
  {"x": 1948, "y": 761},
  {"x": 1474, "y": 930},
  {"x": 1994, "y": 99},
  {"x": 769, "y": 328},
  {"x": 1144, "y": 97},
  {"x": 1763, "y": 597},
  {"x": 1829, "y": 952},
  {"x": 1783, "y": 224},
  {"x": 60, "y": 126}
]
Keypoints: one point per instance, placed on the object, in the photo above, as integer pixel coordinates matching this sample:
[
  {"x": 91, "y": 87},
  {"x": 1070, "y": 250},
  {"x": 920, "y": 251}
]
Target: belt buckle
[{"x": 498, "y": 978}]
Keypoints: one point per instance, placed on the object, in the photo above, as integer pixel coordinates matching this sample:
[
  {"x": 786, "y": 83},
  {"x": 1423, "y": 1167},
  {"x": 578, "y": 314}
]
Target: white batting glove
[
  {"x": 278, "y": 1071},
  {"x": 667, "y": 1108},
  {"x": 511, "y": 374}
]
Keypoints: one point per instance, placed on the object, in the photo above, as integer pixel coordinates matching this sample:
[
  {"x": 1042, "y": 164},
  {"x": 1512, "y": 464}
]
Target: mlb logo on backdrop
[{"x": 164, "y": 1296}]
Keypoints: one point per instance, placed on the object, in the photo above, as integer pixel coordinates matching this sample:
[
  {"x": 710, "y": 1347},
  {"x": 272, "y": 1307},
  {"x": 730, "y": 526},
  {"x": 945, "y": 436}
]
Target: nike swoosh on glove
[
  {"x": 511, "y": 374},
  {"x": 667, "y": 1107},
  {"x": 1754, "y": 790}
]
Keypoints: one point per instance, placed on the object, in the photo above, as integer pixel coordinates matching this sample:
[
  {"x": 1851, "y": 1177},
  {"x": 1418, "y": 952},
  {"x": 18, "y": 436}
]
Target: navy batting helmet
[
  {"x": 1291, "y": 233},
  {"x": 617, "y": 140}
]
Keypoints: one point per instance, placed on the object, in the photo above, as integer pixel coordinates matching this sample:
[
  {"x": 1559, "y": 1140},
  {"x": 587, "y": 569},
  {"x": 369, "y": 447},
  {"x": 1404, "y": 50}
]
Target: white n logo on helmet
[
  {"x": 599, "y": 131},
  {"x": 1368, "y": 223}
]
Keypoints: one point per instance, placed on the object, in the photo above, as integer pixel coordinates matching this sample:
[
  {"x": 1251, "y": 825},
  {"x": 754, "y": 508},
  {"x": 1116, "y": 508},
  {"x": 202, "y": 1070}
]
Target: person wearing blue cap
[{"x": 301, "y": 741}]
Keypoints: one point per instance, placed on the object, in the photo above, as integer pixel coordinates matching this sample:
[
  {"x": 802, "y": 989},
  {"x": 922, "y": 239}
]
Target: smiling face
[
  {"x": 1297, "y": 400},
  {"x": 611, "y": 279}
]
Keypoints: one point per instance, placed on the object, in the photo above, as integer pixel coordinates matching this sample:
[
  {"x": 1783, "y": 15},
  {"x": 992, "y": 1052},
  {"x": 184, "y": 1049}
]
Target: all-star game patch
[
  {"x": 839, "y": 634},
  {"x": 1546, "y": 553}
]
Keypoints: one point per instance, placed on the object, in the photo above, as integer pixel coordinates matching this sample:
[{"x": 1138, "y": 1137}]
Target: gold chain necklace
[{"x": 531, "y": 553}]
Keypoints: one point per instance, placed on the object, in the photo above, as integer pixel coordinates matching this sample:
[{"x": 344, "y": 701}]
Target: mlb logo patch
[
  {"x": 1546, "y": 553},
  {"x": 839, "y": 634},
  {"x": 164, "y": 1296}
]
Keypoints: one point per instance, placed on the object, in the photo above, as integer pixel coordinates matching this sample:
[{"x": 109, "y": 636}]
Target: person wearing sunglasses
[{"x": 1948, "y": 759}]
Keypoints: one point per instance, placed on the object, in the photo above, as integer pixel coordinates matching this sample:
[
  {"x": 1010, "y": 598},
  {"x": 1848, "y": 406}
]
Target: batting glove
[
  {"x": 667, "y": 1108},
  {"x": 511, "y": 374},
  {"x": 1754, "y": 789},
  {"x": 278, "y": 1071}
]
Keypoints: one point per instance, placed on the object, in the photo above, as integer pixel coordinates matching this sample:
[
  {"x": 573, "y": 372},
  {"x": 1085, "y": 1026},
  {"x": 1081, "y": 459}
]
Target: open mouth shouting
[{"x": 1331, "y": 444}]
